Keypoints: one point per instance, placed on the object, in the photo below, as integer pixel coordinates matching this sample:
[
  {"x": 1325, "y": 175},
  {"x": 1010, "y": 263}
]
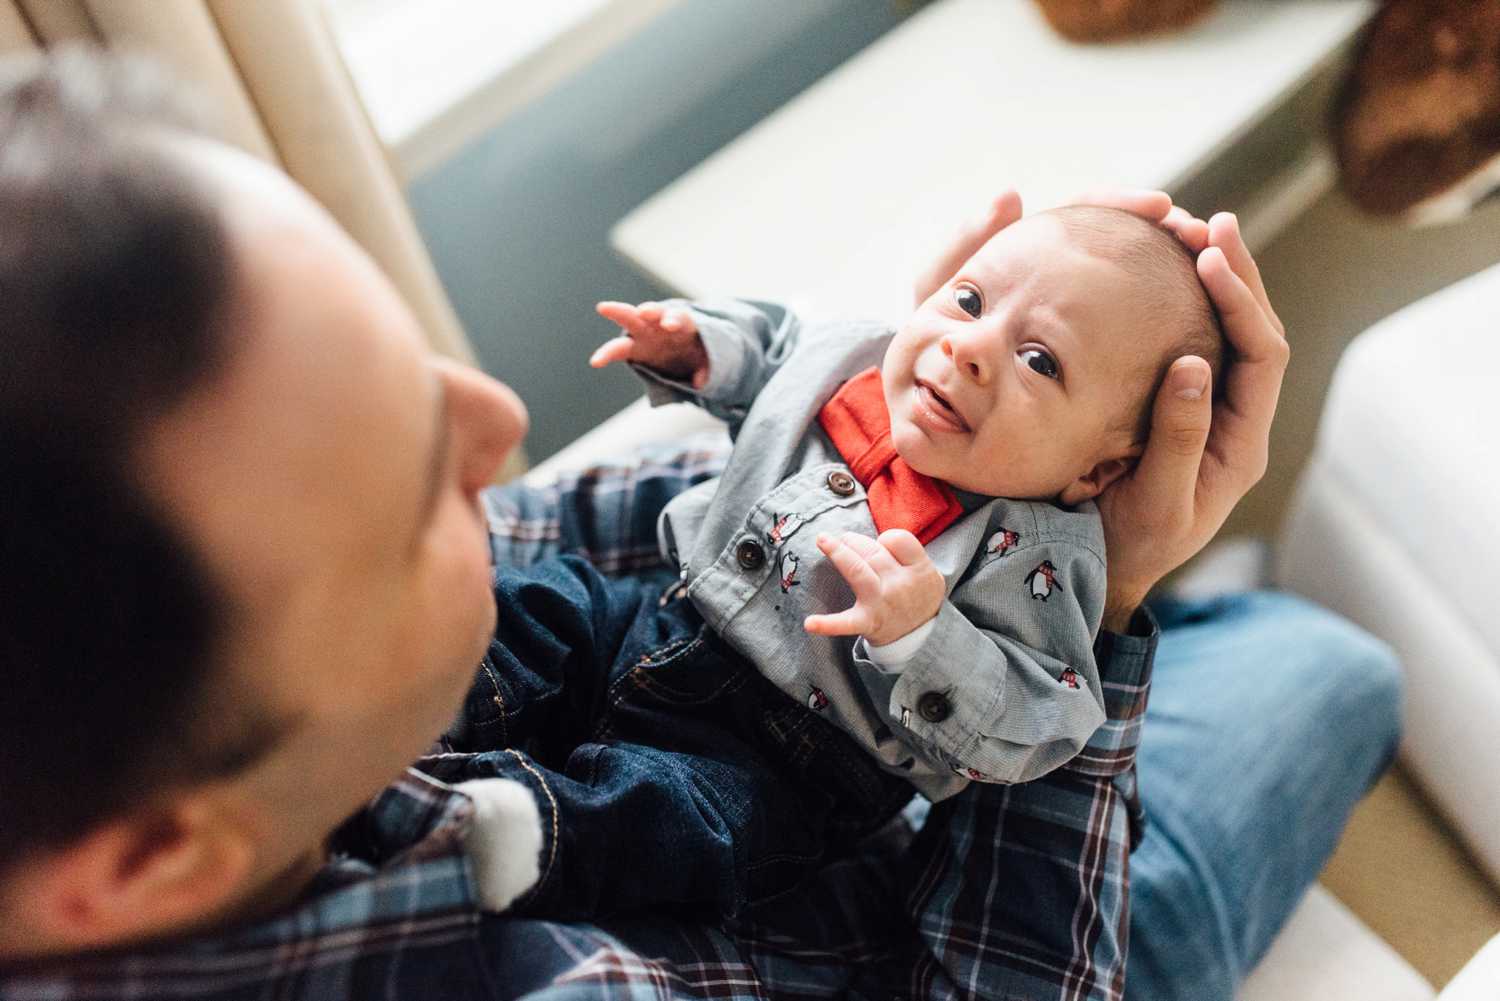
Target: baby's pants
[{"x": 682, "y": 776}]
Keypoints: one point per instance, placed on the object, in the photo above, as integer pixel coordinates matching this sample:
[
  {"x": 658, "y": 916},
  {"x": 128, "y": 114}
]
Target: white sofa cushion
[
  {"x": 1412, "y": 426},
  {"x": 1479, "y": 980},
  {"x": 1325, "y": 953},
  {"x": 1394, "y": 525}
]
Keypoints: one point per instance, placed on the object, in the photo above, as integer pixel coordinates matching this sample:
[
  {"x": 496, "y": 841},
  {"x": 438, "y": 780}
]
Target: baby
[
  {"x": 950, "y": 488},
  {"x": 753, "y": 720}
]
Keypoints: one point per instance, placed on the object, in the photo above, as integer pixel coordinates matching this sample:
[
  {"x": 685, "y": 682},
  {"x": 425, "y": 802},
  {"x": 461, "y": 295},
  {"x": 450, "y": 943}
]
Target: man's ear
[
  {"x": 1094, "y": 482},
  {"x": 141, "y": 874}
]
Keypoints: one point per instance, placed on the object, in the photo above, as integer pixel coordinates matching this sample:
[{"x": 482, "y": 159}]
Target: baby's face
[{"x": 1017, "y": 378}]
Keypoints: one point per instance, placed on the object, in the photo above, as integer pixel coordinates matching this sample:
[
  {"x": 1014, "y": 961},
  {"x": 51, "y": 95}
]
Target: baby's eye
[
  {"x": 968, "y": 300},
  {"x": 1040, "y": 361}
]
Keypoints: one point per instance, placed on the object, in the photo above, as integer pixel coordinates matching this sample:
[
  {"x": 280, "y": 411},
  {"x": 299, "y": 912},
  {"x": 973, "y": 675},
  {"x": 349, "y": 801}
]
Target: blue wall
[{"x": 518, "y": 221}]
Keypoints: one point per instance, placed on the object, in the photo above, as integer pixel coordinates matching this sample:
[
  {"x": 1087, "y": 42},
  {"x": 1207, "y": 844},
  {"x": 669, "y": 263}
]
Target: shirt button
[
  {"x": 934, "y": 707},
  {"x": 750, "y": 555},
  {"x": 841, "y": 483}
]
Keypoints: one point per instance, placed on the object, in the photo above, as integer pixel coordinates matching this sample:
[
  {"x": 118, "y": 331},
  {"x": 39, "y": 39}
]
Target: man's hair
[
  {"x": 1169, "y": 288},
  {"x": 115, "y": 277}
]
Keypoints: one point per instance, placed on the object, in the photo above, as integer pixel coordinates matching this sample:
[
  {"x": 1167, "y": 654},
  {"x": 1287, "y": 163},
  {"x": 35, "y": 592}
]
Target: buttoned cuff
[
  {"x": 1138, "y": 642},
  {"x": 726, "y": 362}
]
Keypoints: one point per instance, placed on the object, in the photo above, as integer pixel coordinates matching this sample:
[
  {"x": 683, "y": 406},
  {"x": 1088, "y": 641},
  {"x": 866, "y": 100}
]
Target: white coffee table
[{"x": 831, "y": 202}]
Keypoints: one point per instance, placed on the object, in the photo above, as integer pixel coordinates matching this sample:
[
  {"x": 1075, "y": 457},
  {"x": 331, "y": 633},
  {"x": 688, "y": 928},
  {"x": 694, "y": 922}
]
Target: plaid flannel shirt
[{"x": 992, "y": 898}]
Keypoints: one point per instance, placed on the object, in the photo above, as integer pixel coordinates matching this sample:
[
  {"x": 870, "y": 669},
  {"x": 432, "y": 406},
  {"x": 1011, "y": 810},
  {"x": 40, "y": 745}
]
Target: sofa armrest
[
  {"x": 621, "y": 435},
  {"x": 1393, "y": 526}
]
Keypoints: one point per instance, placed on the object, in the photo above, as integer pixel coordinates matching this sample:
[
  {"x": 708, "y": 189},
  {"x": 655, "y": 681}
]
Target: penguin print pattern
[
  {"x": 1042, "y": 580},
  {"x": 789, "y": 572},
  {"x": 782, "y": 525},
  {"x": 1003, "y": 542}
]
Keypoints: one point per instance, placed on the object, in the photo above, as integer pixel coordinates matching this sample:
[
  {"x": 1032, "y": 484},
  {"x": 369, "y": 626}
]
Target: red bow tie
[{"x": 900, "y": 497}]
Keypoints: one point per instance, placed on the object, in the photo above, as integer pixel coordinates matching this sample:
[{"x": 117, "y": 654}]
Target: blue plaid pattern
[{"x": 1002, "y": 893}]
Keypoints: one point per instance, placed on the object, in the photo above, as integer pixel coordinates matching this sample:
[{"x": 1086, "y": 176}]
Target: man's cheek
[{"x": 458, "y": 601}]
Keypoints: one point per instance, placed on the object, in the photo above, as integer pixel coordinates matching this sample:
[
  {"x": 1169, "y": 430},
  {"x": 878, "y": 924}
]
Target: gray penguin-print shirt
[{"x": 1002, "y": 689}]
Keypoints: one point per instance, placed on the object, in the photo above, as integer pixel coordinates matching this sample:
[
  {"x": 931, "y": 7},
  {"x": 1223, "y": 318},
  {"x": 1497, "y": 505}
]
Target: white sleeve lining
[{"x": 898, "y": 651}]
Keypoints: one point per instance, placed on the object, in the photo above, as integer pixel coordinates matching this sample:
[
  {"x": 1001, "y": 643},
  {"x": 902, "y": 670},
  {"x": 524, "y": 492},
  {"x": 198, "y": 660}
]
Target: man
[{"x": 246, "y": 582}]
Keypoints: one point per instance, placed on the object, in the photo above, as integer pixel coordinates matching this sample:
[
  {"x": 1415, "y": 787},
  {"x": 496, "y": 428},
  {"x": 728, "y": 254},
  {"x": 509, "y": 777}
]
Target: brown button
[
  {"x": 841, "y": 483},
  {"x": 750, "y": 555},
  {"x": 934, "y": 707}
]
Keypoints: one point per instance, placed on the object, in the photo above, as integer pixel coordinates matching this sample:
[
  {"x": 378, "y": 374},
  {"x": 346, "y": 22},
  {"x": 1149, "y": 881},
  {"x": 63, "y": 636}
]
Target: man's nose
[{"x": 488, "y": 421}]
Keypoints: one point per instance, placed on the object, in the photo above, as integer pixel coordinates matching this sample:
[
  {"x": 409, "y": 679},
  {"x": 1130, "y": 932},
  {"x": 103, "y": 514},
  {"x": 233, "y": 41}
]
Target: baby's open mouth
[{"x": 939, "y": 405}]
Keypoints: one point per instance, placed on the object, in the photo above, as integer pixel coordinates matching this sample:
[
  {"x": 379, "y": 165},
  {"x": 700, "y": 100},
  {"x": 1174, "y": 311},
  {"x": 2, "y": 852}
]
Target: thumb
[{"x": 1180, "y": 419}]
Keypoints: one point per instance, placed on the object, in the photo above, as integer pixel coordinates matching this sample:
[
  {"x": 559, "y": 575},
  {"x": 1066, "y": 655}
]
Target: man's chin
[
  {"x": 466, "y": 663},
  {"x": 485, "y": 632}
]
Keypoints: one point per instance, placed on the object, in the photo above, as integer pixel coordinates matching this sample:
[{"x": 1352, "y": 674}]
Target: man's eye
[
  {"x": 1040, "y": 361},
  {"x": 968, "y": 300}
]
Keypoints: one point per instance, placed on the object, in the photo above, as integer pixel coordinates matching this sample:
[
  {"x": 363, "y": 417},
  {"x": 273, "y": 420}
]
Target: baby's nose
[{"x": 967, "y": 357}]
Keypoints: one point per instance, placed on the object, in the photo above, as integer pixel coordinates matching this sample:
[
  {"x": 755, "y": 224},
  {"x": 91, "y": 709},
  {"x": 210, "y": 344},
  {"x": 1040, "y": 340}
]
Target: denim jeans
[
  {"x": 1269, "y": 719},
  {"x": 682, "y": 776}
]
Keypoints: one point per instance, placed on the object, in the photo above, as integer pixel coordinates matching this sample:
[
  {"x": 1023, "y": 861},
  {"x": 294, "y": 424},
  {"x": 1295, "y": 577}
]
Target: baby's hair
[{"x": 1168, "y": 274}]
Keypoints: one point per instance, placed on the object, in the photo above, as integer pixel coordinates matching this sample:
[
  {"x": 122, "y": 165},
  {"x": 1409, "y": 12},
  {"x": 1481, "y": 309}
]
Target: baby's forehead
[
  {"x": 1097, "y": 267},
  {"x": 1060, "y": 241},
  {"x": 1148, "y": 282},
  {"x": 1130, "y": 345}
]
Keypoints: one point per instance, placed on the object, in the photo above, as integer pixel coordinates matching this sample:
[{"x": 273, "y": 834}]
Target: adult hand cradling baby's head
[{"x": 1202, "y": 456}]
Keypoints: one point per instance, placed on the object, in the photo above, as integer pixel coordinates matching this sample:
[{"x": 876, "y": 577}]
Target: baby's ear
[{"x": 1094, "y": 482}]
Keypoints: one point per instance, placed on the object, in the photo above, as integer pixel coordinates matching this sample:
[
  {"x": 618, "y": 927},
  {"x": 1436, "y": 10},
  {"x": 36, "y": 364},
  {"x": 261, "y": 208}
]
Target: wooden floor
[
  {"x": 1332, "y": 274},
  {"x": 1410, "y": 880}
]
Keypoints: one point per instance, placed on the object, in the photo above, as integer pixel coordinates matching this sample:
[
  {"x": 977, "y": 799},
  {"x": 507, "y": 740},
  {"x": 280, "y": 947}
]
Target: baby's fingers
[
  {"x": 621, "y": 313},
  {"x": 678, "y": 321},
  {"x": 904, "y": 546},
  {"x": 613, "y": 350},
  {"x": 850, "y": 622},
  {"x": 873, "y": 551},
  {"x": 852, "y": 565}
]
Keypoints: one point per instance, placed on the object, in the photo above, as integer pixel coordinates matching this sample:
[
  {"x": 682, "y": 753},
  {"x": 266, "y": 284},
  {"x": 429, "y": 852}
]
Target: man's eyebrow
[{"x": 436, "y": 461}]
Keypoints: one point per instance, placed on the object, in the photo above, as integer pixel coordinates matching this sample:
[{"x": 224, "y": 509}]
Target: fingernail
[{"x": 1189, "y": 381}]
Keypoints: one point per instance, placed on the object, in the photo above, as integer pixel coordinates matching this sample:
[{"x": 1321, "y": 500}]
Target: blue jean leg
[
  {"x": 1269, "y": 719},
  {"x": 675, "y": 773}
]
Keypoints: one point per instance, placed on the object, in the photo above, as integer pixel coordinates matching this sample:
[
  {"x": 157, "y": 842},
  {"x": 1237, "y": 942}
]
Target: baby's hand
[
  {"x": 664, "y": 339},
  {"x": 896, "y": 586}
]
